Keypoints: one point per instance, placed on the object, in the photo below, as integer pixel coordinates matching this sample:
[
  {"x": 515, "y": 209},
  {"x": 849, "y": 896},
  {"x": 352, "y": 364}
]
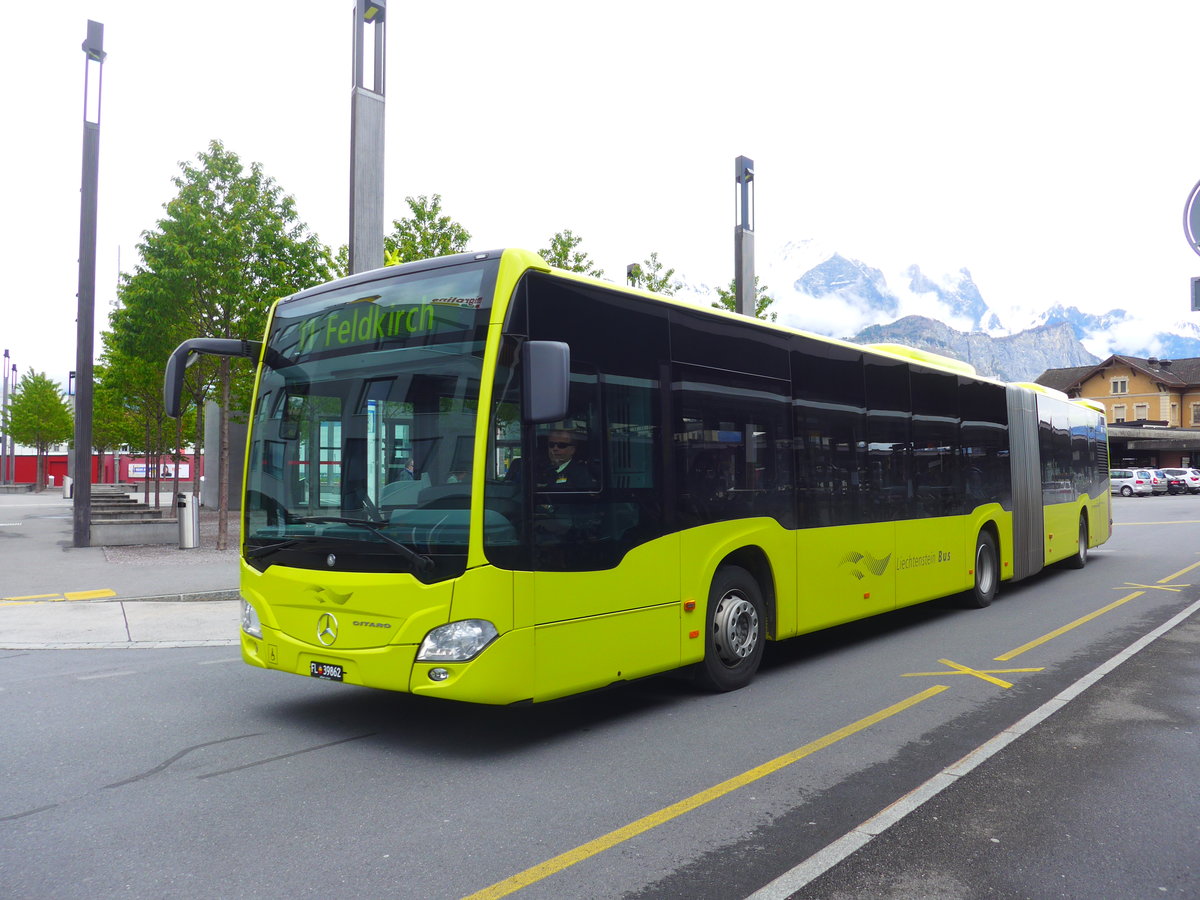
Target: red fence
[{"x": 122, "y": 467}]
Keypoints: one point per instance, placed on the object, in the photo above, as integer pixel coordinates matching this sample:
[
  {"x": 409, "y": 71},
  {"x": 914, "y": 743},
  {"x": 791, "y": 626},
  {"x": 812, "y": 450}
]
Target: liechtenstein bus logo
[{"x": 871, "y": 564}]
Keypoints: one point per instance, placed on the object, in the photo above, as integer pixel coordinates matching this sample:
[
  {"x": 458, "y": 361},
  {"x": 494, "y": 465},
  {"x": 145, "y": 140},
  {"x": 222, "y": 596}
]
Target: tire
[
  {"x": 1126, "y": 491},
  {"x": 987, "y": 573},
  {"x": 1079, "y": 560},
  {"x": 735, "y": 633}
]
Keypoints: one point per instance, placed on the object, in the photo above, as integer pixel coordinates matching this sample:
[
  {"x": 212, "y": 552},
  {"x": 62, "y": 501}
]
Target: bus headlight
[
  {"x": 457, "y": 641},
  {"x": 250, "y": 623}
]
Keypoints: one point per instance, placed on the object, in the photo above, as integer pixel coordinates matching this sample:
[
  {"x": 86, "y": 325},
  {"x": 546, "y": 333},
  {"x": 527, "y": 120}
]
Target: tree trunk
[
  {"x": 196, "y": 446},
  {"x": 158, "y": 455},
  {"x": 146, "y": 468},
  {"x": 178, "y": 456}
]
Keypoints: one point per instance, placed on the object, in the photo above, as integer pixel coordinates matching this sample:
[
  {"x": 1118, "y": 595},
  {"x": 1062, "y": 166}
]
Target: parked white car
[
  {"x": 1189, "y": 477},
  {"x": 1131, "y": 482}
]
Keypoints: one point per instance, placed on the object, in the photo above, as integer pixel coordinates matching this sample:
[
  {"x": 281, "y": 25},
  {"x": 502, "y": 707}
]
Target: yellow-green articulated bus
[{"x": 484, "y": 479}]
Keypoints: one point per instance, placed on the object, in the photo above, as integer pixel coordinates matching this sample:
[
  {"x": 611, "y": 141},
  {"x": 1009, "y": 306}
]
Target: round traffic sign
[{"x": 1191, "y": 218}]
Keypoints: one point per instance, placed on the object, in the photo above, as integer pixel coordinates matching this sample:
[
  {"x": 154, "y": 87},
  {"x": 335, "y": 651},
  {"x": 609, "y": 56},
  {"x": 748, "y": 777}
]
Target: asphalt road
[{"x": 182, "y": 773}]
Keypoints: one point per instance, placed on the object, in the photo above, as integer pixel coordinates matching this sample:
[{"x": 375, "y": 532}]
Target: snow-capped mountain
[{"x": 819, "y": 289}]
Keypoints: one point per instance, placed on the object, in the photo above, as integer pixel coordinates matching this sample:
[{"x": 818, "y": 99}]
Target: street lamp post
[
  {"x": 12, "y": 443},
  {"x": 4, "y": 426},
  {"x": 743, "y": 239},
  {"x": 366, "y": 139},
  {"x": 93, "y": 49}
]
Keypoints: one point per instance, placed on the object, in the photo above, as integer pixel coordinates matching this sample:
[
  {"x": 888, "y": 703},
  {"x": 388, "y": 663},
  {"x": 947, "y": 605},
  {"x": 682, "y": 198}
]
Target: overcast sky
[{"x": 1047, "y": 147}]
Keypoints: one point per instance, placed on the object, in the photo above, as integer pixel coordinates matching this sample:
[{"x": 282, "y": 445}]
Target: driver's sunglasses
[{"x": 561, "y": 445}]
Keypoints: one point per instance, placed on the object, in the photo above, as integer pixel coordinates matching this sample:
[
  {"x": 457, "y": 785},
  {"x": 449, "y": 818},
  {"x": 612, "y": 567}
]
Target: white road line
[
  {"x": 103, "y": 675},
  {"x": 217, "y": 662},
  {"x": 829, "y": 856}
]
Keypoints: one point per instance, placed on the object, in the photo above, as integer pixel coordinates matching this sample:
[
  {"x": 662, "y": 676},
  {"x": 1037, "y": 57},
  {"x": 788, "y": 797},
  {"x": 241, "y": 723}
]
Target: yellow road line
[
  {"x": 57, "y": 598},
  {"x": 89, "y": 595},
  {"x": 646, "y": 823},
  {"x": 1181, "y": 522},
  {"x": 1195, "y": 565},
  {"x": 1037, "y": 642}
]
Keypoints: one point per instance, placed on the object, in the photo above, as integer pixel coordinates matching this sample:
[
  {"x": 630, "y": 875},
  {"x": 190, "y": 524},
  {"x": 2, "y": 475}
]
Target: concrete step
[{"x": 128, "y": 515}]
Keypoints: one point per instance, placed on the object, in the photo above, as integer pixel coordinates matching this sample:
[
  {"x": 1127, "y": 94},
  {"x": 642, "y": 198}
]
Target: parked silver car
[
  {"x": 1131, "y": 482},
  {"x": 1159, "y": 481}
]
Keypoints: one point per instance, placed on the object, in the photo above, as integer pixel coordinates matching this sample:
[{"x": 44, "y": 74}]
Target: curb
[
  {"x": 191, "y": 597},
  {"x": 119, "y": 645}
]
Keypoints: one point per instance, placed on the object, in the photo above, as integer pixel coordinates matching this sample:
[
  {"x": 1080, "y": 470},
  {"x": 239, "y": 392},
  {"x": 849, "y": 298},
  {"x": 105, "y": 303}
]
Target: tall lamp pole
[
  {"x": 743, "y": 239},
  {"x": 366, "y": 139},
  {"x": 12, "y": 442},
  {"x": 93, "y": 49},
  {"x": 4, "y": 426}
]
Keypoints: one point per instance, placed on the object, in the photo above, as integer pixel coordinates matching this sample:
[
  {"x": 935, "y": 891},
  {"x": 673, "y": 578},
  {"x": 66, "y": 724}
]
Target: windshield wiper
[
  {"x": 264, "y": 549},
  {"x": 420, "y": 562}
]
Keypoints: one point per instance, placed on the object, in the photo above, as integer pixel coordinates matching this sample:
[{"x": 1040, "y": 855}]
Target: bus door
[{"x": 605, "y": 580}]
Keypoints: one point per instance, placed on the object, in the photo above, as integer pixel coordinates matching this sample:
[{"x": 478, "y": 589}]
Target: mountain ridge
[{"x": 822, "y": 290}]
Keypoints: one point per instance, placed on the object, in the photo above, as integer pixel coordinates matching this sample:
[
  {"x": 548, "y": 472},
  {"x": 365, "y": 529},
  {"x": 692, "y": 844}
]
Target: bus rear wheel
[
  {"x": 1079, "y": 559},
  {"x": 735, "y": 632},
  {"x": 987, "y": 572}
]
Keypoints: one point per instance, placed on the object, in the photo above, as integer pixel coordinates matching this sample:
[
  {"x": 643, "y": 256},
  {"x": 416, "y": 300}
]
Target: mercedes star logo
[{"x": 327, "y": 629}]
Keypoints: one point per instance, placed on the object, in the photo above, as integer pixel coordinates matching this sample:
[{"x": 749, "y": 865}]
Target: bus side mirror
[
  {"x": 185, "y": 354},
  {"x": 547, "y": 368}
]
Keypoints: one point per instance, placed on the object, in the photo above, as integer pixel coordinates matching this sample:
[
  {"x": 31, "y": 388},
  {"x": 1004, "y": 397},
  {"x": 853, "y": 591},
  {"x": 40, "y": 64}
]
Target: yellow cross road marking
[
  {"x": 958, "y": 669},
  {"x": 646, "y": 823},
  {"x": 1151, "y": 587}
]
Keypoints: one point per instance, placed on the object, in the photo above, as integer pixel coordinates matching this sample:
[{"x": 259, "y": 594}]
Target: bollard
[
  {"x": 189, "y": 521},
  {"x": 68, "y": 487}
]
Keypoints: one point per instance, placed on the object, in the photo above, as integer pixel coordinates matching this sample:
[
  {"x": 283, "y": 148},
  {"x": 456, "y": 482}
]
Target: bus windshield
[{"x": 364, "y": 425}]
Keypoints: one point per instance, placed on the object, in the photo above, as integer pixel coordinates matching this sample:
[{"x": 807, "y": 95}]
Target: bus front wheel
[
  {"x": 736, "y": 631},
  {"x": 987, "y": 572}
]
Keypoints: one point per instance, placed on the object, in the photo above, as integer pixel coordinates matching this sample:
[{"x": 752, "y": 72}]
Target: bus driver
[{"x": 563, "y": 472}]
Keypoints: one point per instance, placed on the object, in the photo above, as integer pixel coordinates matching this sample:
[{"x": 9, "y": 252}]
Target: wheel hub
[{"x": 735, "y": 628}]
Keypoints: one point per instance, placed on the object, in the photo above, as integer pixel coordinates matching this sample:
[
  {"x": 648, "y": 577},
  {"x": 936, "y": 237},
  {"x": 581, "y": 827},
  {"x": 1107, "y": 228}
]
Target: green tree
[
  {"x": 230, "y": 243},
  {"x": 563, "y": 254},
  {"x": 112, "y": 418},
  {"x": 39, "y": 417},
  {"x": 651, "y": 275},
  {"x": 762, "y": 301},
  {"x": 428, "y": 232}
]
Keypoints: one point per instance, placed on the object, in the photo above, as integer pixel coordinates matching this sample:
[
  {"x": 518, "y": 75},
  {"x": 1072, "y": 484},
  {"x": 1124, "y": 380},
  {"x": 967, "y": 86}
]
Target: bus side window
[{"x": 733, "y": 446}]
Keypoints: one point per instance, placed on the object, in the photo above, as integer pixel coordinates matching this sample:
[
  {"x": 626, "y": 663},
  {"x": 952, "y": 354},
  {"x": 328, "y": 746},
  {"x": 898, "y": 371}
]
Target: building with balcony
[{"x": 1153, "y": 406}]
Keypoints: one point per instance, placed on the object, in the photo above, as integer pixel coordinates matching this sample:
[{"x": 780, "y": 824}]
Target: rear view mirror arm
[{"x": 186, "y": 353}]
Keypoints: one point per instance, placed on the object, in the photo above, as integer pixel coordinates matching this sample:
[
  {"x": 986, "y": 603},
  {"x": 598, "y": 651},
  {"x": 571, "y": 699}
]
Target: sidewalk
[{"x": 56, "y": 595}]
